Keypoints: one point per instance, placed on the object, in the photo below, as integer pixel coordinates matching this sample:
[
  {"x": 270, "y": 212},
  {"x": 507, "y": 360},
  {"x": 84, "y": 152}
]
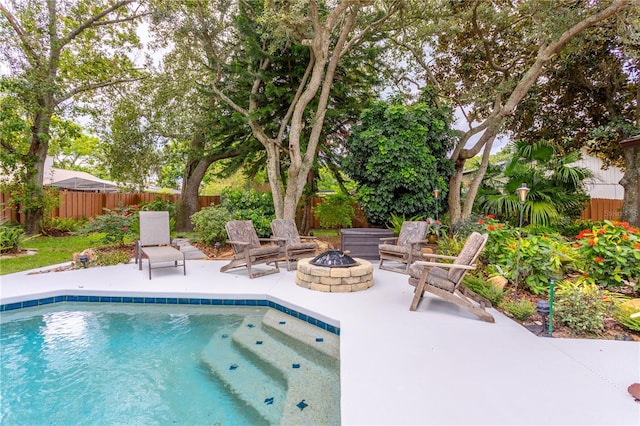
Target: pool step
[
  {"x": 293, "y": 330},
  {"x": 313, "y": 390},
  {"x": 264, "y": 390}
]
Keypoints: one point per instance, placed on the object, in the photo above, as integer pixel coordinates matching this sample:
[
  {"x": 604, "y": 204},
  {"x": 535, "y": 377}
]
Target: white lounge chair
[{"x": 155, "y": 242}]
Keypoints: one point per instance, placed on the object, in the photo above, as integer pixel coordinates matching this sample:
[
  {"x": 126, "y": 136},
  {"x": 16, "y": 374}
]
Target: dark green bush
[
  {"x": 335, "y": 211},
  {"x": 209, "y": 223},
  {"x": 116, "y": 225},
  {"x": 582, "y": 307},
  {"x": 250, "y": 205}
]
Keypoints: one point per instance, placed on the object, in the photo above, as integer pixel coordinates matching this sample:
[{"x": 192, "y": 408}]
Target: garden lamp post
[
  {"x": 522, "y": 198},
  {"x": 436, "y": 194}
]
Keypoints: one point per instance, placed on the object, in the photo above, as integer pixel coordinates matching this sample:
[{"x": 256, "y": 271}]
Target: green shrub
[
  {"x": 250, "y": 205},
  {"x": 335, "y": 211},
  {"x": 582, "y": 306},
  {"x": 114, "y": 224},
  {"x": 396, "y": 221},
  {"x": 209, "y": 223},
  {"x": 450, "y": 246},
  {"x": 11, "y": 238},
  {"x": 63, "y": 225},
  {"x": 610, "y": 253},
  {"x": 159, "y": 205},
  {"x": 521, "y": 310},
  {"x": 627, "y": 314},
  {"x": 112, "y": 257},
  {"x": 484, "y": 288}
]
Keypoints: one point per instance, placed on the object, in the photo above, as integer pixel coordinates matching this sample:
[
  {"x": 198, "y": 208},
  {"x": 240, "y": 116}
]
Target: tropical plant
[
  {"x": 484, "y": 288},
  {"x": 396, "y": 221},
  {"x": 12, "y": 237},
  {"x": 609, "y": 253},
  {"x": 209, "y": 224},
  {"x": 556, "y": 185}
]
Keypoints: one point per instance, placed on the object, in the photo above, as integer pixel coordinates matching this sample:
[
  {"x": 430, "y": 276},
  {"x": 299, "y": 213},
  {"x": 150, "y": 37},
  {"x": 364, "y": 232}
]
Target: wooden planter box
[{"x": 363, "y": 242}]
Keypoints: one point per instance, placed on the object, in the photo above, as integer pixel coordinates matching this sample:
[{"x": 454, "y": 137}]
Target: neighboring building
[
  {"x": 604, "y": 183},
  {"x": 74, "y": 180}
]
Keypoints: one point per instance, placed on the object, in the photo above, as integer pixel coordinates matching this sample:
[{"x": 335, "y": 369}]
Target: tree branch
[
  {"x": 23, "y": 36},
  {"x": 94, "y": 86}
]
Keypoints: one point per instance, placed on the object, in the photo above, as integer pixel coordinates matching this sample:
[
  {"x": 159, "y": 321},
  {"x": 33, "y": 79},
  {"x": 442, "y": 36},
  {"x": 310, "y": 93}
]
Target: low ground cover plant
[{"x": 12, "y": 237}]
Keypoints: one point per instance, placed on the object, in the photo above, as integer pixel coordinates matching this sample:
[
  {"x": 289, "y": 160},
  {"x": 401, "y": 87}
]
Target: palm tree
[{"x": 556, "y": 187}]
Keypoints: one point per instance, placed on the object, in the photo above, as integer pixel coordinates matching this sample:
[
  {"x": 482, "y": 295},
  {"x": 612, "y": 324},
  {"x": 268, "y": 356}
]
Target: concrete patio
[{"x": 438, "y": 365}]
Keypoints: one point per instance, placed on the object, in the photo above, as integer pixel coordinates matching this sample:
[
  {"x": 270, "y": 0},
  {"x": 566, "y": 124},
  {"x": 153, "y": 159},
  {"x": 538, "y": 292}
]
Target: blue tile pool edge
[{"x": 171, "y": 301}]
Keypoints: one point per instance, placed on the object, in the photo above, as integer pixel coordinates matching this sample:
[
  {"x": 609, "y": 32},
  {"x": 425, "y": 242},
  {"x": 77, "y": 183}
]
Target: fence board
[
  {"x": 602, "y": 209},
  {"x": 78, "y": 205}
]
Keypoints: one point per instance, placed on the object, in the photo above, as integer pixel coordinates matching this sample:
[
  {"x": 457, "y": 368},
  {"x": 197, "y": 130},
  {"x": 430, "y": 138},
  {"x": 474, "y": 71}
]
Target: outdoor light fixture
[
  {"x": 217, "y": 245},
  {"x": 522, "y": 193},
  {"x": 436, "y": 194},
  {"x": 83, "y": 259},
  {"x": 522, "y": 196},
  {"x": 543, "y": 309}
]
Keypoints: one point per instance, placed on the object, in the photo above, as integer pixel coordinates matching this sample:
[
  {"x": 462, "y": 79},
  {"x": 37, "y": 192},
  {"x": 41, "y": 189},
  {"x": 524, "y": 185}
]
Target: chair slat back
[
  {"x": 154, "y": 228},
  {"x": 286, "y": 228},
  {"x": 242, "y": 230},
  {"x": 468, "y": 255},
  {"x": 412, "y": 231}
]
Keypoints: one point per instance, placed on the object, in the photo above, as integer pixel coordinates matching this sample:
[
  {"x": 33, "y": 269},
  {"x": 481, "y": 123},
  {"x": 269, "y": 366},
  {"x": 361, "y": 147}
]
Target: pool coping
[{"x": 438, "y": 365}]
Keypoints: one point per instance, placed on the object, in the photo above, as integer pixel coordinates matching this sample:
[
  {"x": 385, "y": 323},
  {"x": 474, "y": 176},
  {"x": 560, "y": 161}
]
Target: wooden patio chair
[
  {"x": 247, "y": 249},
  {"x": 405, "y": 248},
  {"x": 293, "y": 248},
  {"x": 155, "y": 242},
  {"x": 445, "y": 279}
]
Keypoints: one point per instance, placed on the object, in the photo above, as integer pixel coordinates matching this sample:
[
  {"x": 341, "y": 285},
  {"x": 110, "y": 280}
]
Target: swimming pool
[{"x": 100, "y": 363}]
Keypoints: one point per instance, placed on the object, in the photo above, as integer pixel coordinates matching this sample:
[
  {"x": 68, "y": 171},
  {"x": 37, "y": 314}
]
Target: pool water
[{"x": 115, "y": 364}]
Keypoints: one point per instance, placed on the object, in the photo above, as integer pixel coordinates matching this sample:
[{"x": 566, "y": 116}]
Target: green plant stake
[{"x": 551, "y": 294}]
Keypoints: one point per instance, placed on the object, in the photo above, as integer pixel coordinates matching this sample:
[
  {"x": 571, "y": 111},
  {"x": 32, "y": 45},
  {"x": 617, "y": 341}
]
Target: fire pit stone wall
[{"x": 336, "y": 280}]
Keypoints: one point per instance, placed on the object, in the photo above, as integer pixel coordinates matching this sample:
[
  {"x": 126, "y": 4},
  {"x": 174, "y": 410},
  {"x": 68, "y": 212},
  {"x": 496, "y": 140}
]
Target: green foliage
[
  {"x": 535, "y": 259},
  {"x": 628, "y": 314},
  {"x": 398, "y": 155},
  {"x": 115, "y": 224},
  {"x": 484, "y": 288},
  {"x": 609, "y": 253},
  {"x": 555, "y": 182},
  {"x": 110, "y": 257},
  {"x": 335, "y": 211},
  {"x": 250, "y": 205},
  {"x": 11, "y": 238},
  {"x": 582, "y": 306},
  {"x": 451, "y": 246},
  {"x": 571, "y": 229},
  {"x": 521, "y": 310},
  {"x": 62, "y": 225},
  {"x": 209, "y": 223},
  {"x": 395, "y": 222},
  {"x": 159, "y": 205},
  {"x": 49, "y": 251}
]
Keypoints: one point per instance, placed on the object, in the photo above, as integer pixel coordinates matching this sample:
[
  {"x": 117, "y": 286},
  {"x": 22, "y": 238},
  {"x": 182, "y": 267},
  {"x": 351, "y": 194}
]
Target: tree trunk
[
  {"x": 631, "y": 184},
  {"x": 33, "y": 206},
  {"x": 188, "y": 202}
]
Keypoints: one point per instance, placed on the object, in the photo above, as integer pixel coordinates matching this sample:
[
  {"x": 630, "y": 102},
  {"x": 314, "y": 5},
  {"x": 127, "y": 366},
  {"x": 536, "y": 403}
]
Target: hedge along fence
[{"x": 76, "y": 204}]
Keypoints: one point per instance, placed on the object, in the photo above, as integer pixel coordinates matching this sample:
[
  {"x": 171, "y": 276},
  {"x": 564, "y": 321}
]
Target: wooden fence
[
  {"x": 77, "y": 205},
  {"x": 602, "y": 209}
]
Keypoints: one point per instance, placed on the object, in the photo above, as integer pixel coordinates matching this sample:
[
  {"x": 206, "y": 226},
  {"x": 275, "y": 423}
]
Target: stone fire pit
[{"x": 339, "y": 279}]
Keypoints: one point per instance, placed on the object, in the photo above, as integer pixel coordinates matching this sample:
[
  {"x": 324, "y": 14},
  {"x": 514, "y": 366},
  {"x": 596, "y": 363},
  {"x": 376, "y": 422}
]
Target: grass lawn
[{"x": 51, "y": 251}]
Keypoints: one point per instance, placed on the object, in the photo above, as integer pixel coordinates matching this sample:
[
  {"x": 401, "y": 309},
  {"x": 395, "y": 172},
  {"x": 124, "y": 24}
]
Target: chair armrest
[
  {"x": 418, "y": 242},
  {"x": 307, "y": 237},
  {"x": 439, "y": 256},
  {"x": 240, "y": 243},
  {"x": 270, "y": 240},
  {"x": 389, "y": 239},
  {"x": 444, "y": 265}
]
